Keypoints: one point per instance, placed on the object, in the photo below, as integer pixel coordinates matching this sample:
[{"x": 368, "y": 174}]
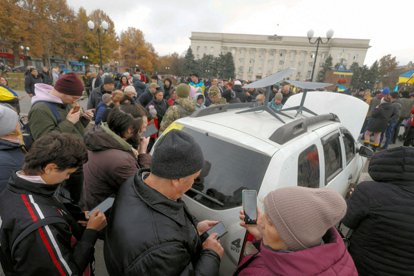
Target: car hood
[{"x": 350, "y": 110}]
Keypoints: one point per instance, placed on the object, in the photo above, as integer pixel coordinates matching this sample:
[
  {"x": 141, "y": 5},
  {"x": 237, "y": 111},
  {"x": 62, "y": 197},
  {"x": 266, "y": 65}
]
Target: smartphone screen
[
  {"x": 219, "y": 228},
  {"x": 104, "y": 205},
  {"x": 249, "y": 199}
]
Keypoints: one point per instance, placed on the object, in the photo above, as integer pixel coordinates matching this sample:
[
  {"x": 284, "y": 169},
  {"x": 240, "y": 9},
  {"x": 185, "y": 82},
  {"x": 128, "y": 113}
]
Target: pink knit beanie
[{"x": 302, "y": 215}]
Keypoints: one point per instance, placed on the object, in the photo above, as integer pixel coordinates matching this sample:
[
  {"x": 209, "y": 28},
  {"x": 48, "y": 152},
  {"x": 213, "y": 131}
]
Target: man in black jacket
[
  {"x": 381, "y": 213},
  {"x": 150, "y": 231},
  {"x": 38, "y": 236}
]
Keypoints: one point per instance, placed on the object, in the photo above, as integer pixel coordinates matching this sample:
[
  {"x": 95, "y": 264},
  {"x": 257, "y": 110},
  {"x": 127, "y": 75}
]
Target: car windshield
[{"x": 233, "y": 169}]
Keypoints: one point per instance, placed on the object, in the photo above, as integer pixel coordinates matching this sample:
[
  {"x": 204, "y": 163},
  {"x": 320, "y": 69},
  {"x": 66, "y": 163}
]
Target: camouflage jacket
[
  {"x": 181, "y": 108},
  {"x": 220, "y": 101}
]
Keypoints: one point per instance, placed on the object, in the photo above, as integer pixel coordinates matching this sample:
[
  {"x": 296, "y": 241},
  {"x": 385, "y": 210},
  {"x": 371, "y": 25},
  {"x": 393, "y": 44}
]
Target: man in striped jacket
[{"x": 38, "y": 236}]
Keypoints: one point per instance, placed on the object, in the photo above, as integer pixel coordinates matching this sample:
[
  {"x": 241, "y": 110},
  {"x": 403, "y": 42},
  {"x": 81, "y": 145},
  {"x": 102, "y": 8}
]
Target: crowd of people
[{"x": 81, "y": 157}]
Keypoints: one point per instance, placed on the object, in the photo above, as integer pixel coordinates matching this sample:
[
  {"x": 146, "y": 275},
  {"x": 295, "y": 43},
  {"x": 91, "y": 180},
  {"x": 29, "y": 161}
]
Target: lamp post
[
  {"x": 318, "y": 40},
  {"x": 25, "y": 51},
  {"x": 104, "y": 26},
  {"x": 167, "y": 69}
]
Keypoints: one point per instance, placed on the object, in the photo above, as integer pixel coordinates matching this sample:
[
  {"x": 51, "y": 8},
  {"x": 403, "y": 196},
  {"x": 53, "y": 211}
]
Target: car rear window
[{"x": 233, "y": 168}]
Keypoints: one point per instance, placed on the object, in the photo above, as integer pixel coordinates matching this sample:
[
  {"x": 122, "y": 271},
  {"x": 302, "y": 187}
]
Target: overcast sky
[{"x": 168, "y": 24}]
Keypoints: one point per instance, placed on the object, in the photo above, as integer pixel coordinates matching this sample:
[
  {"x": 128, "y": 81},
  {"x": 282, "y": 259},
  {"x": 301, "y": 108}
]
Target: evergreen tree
[
  {"x": 190, "y": 65},
  {"x": 229, "y": 69},
  {"x": 325, "y": 68}
]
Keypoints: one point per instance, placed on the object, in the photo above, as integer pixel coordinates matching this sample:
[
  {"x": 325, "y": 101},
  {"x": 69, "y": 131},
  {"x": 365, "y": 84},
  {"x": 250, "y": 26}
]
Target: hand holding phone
[
  {"x": 103, "y": 206},
  {"x": 249, "y": 199},
  {"x": 75, "y": 109},
  {"x": 219, "y": 228}
]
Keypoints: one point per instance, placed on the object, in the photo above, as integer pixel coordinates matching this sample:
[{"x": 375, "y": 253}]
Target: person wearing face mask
[
  {"x": 297, "y": 236},
  {"x": 115, "y": 153}
]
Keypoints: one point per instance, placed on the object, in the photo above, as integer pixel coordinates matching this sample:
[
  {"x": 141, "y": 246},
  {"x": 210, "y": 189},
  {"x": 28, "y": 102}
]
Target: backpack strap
[
  {"x": 53, "y": 109},
  {"x": 33, "y": 227}
]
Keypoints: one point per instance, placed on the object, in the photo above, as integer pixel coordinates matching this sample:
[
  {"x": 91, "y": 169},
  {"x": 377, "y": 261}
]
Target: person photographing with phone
[
  {"x": 150, "y": 230},
  {"x": 38, "y": 235},
  {"x": 295, "y": 235}
]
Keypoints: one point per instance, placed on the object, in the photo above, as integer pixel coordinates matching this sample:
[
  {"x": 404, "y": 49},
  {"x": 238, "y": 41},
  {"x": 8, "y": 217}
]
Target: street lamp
[
  {"x": 105, "y": 27},
  {"x": 318, "y": 40},
  {"x": 25, "y": 54}
]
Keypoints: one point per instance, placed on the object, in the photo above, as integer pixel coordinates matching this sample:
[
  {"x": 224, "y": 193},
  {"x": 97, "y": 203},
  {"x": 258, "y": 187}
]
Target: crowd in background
[{"x": 103, "y": 151}]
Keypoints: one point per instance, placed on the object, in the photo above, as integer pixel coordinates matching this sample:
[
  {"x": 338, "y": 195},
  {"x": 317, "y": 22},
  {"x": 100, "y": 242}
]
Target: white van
[{"x": 256, "y": 151}]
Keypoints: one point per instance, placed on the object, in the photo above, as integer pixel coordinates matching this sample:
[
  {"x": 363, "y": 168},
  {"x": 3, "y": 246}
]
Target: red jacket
[
  {"x": 328, "y": 259},
  {"x": 412, "y": 116}
]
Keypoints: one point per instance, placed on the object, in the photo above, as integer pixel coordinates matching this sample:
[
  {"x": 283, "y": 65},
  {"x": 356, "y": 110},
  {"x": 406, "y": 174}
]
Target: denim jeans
[{"x": 389, "y": 133}]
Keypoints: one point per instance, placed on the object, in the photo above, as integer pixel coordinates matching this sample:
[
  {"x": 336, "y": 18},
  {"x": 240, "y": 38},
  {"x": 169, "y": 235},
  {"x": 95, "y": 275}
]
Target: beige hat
[{"x": 302, "y": 215}]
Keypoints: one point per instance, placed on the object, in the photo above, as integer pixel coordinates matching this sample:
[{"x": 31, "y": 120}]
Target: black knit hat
[{"x": 177, "y": 155}]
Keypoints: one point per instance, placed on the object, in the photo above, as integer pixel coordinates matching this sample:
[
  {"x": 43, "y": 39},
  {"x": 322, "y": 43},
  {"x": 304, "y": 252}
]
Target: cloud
[{"x": 168, "y": 24}]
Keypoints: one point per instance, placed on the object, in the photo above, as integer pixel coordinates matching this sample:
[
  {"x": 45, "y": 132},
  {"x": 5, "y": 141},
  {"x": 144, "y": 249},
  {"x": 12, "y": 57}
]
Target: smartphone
[
  {"x": 104, "y": 205},
  {"x": 76, "y": 108},
  {"x": 219, "y": 228},
  {"x": 151, "y": 129},
  {"x": 249, "y": 199}
]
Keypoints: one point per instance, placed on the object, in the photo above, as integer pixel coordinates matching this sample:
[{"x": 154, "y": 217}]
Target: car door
[{"x": 351, "y": 163}]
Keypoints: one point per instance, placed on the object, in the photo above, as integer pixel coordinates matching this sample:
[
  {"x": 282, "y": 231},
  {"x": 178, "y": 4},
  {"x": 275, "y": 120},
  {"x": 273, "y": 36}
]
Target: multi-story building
[{"x": 257, "y": 56}]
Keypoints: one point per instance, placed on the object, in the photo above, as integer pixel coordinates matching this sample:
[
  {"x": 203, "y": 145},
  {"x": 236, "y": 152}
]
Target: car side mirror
[{"x": 365, "y": 152}]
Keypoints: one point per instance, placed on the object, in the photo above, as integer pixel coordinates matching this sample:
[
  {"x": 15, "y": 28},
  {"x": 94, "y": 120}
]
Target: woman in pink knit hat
[{"x": 296, "y": 235}]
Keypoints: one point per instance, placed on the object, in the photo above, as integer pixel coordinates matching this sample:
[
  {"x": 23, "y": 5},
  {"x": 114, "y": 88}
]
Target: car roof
[{"x": 252, "y": 129}]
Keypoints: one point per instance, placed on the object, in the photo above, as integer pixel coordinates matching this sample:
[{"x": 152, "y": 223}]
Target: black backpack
[{"x": 27, "y": 135}]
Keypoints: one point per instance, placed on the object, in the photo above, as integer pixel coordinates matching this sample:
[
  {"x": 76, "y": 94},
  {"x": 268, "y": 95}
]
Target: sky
[{"x": 168, "y": 24}]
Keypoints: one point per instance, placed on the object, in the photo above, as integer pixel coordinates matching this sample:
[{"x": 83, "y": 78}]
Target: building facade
[{"x": 257, "y": 56}]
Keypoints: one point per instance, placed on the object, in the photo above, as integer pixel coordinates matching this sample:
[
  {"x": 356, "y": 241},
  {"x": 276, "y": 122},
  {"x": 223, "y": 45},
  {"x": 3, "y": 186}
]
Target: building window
[
  {"x": 250, "y": 69},
  {"x": 281, "y": 62},
  {"x": 310, "y": 64},
  {"x": 281, "y": 54}
]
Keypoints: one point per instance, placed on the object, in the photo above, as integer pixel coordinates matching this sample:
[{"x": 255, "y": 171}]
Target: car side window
[
  {"x": 349, "y": 143},
  {"x": 333, "y": 157},
  {"x": 308, "y": 168}
]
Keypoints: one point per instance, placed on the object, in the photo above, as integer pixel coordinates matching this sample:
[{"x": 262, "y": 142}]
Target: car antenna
[{"x": 267, "y": 83}]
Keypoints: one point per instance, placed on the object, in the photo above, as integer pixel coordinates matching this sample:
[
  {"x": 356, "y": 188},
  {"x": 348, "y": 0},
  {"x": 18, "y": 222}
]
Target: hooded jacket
[
  {"x": 42, "y": 119},
  {"x": 330, "y": 258},
  {"x": 182, "y": 107},
  {"x": 149, "y": 234},
  {"x": 381, "y": 213},
  {"x": 199, "y": 106},
  {"x": 29, "y": 83},
  {"x": 111, "y": 161}
]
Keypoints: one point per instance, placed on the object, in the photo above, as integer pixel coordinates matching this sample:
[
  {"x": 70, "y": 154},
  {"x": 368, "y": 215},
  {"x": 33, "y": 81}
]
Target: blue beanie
[{"x": 386, "y": 90}]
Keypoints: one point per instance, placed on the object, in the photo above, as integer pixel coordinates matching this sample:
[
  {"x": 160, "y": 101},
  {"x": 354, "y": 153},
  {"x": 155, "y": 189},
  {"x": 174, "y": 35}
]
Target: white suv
[{"x": 256, "y": 151}]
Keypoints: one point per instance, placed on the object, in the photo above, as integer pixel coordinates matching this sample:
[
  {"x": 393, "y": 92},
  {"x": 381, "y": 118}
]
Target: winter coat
[
  {"x": 139, "y": 86},
  {"x": 199, "y": 84},
  {"x": 199, "y": 106},
  {"x": 182, "y": 107},
  {"x": 96, "y": 96},
  {"x": 286, "y": 97},
  {"x": 146, "y": 98},
  {"x": 406, "y": 105},
  {"x": 274, "y": 106},
  {"x": 381, "y": 214},
  {"x": 380, "y": 117},
  {"x": 11, "y": 160},
  {"x": 149, "y": 234},
  {"x": 46, "y": 77},
  {"x": 330, "y": 258},
  {"x": 111, "y": 161},
  {"x": 397, "y": 112},
  {"x": 101, "y": 109},
  {"x": 47, "y": 250},
  {"x": 29, "y": 83},
  {"x": 161, "y": 107},
  {"x": 240, "y": 93},
  {"x": 167, "y": 91},
  {"x": 42, "y": 120}
]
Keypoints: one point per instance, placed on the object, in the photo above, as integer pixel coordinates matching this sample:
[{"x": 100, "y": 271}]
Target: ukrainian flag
[
  {"x": 407, "y": 77},
  {"x": 7, "y": 94}
]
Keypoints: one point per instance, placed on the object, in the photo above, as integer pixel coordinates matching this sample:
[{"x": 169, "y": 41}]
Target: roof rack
[
  {"x": 221, "y": 108},
  {"x": 293, "y": 129}
]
